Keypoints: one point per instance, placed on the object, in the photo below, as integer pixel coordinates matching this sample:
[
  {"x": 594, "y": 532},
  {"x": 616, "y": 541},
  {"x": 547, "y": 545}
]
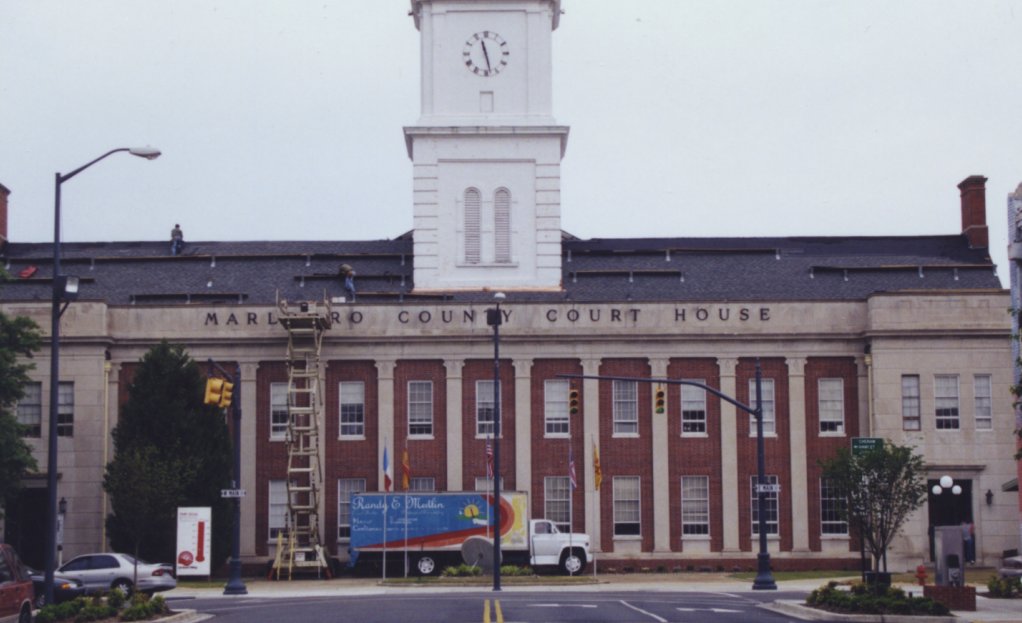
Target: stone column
[
  {"x": 661, "y": 468},
  {"x": 455, "y": 450},
  {"x": 591, "y": 431},
  {"x": 797, "y": 455},
  {"x": 385, "y": 408},
  {"x": 249, "y": 415},
  {"x": 729, "y": 456},
  {"x": 522, "y": 418}
]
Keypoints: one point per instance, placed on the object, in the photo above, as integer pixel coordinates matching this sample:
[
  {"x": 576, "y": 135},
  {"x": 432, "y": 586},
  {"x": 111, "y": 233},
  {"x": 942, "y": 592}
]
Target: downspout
[{"x": 870, "y": 411}]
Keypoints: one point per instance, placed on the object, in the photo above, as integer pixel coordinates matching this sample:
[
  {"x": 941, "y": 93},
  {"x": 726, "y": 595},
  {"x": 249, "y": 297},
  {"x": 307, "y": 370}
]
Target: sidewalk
[{"x": 987, "y": 610}]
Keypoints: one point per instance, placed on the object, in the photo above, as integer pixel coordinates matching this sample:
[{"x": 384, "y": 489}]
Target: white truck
[{"x": 441, "y": 529}]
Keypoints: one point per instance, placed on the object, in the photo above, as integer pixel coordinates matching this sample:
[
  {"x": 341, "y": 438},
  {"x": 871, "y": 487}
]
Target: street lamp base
[
  {"x": 764, "y": 578},
  {"x": 235, "y": 585}
]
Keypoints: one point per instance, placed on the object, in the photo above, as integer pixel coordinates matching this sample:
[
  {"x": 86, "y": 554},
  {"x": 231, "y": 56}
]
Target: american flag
[
  {"x": 571, "y": 469},
  {"x": 489, "y": 459}
]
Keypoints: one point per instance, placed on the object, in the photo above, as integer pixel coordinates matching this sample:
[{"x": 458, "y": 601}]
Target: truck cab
[{"x": 551, "y": 547}]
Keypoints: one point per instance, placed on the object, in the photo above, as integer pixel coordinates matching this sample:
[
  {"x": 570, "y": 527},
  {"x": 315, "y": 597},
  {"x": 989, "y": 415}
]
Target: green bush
[
  {"x": 515, "y": 570},
  {"x": 462, "y": 571},
  {"x": 85, "y": 609},
  {"x": 861, "y": 599},
  {"x": 94, "y": 612},
  {"x": 1004, "y": 587},
  {"x": 116, "y": 598}
]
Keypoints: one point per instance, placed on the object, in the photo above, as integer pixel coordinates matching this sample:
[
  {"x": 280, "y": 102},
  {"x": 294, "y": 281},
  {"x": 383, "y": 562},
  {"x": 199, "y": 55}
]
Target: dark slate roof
[{"x": 596, "y": 270}]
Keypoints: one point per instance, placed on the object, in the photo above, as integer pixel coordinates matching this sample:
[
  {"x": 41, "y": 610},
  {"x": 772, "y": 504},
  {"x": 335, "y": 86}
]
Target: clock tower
[{"x": 486, "y": 151}]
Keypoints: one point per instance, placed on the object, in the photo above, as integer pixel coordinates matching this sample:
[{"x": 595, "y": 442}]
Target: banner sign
[{"x": 194, "y": 540}]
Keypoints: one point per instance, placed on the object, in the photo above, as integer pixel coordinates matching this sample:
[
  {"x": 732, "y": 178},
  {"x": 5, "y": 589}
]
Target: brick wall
[
  {"x": 626, "y": 456},
  {"x": 777, "y": 449},
  {"x": 473, "y": 454},
  {"x": 427, "y": 457},
  {"x": 271, "y": 456},
  {"x": 550, "y": 454},
  {"x": 694, "y": 455}
]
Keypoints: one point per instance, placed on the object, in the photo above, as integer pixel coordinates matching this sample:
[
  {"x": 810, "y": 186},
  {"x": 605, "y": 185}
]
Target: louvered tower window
[
  {"x": 472, "y": 234},
  {"x": 502, "y": 226}
]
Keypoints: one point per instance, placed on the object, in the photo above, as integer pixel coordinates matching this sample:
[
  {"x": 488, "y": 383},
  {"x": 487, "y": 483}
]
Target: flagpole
[
  {"x": 386, "y": 503},
  {"x": 571, "y": 499},
  {"x": 405, "y": 477}
]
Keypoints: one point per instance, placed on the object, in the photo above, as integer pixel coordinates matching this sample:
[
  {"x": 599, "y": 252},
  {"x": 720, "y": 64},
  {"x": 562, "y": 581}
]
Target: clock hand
[{"x": 486, "y": 55}]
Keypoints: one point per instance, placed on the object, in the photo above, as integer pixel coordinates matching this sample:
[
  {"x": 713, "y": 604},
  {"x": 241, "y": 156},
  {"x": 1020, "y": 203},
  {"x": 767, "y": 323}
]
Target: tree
[
  {"x": 170, "y": 450},
  {"x": 19, "y": 339},
  {"x": 882, "y": 487}
]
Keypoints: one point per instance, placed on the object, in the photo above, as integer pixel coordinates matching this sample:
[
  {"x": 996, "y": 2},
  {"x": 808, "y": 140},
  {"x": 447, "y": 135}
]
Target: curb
[
  {"x": 186, "y": 616},
  {"x": 805, "y": 613}
]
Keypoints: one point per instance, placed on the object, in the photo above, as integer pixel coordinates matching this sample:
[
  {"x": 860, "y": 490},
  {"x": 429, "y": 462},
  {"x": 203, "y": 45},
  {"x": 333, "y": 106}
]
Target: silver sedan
[{"x": 103, "y": 572}]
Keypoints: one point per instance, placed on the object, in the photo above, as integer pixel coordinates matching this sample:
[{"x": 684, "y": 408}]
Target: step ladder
[{"x": 305, "y": 323}]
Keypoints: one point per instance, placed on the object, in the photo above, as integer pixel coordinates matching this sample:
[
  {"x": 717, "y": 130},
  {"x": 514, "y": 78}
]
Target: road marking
[
  {"x": 562, "y": 605},
  {"x": 641, "y": 611},
  {"x": 496, "y": 610},
  {"x": 717, "y": 610}
]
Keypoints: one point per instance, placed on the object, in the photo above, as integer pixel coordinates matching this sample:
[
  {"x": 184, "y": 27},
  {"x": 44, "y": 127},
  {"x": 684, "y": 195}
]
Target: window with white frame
[
  {"x": 422, "y": 483},
  {"x": 832, "y": 509},
  {"x": 352, "y": 409},
  {"x": 627, "y": 506},
  {"x": 486, "y": 484},
  {"x": 276, "y": 517},
  {"x": 65, "y": 409},
  {"x": 626, "y": 408},
  {"x": 693, "y": 409},
  {"x": 767, "y": 405},
  {"x": 945, "y": 401},
  {"x": 484, "y": 408},
  {"x": 30, "y": 409},
  {"x": 982, "y": 396},
  {"x": 831, "y": 401},
  {"x": 555, "y": 408},
  {"x": 695, "y": 505},
  {"x": 278, "y": 411},
  {"x": 420, "y": 408},
  {"x": 345, "y": 487},
  {"x": 911, "y": 418},
  {"x": 769, "y": 506},
  {"x": 557, "y": 501}
]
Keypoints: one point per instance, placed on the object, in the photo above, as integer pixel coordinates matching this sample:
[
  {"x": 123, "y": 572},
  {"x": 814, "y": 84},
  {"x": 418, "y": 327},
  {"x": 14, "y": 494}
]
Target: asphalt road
[{"x": 504, "y": 607}]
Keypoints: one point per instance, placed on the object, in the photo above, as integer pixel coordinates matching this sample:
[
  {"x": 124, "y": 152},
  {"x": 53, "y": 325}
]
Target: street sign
[
  {"x": 232, "y": 493},
  {"x": 768, "y": 488},
  {"x": 862, "y": 445}
]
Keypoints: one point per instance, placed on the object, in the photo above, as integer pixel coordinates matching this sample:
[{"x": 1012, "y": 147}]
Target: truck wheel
[
  {"x": 426, "y": 565},
  {"x": 572, "y": 562}
]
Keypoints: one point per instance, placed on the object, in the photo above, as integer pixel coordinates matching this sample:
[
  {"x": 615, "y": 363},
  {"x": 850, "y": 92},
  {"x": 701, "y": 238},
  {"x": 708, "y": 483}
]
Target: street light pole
[
  {"x": 494, "y": 319},
  {"x": 59, "y": 292}
]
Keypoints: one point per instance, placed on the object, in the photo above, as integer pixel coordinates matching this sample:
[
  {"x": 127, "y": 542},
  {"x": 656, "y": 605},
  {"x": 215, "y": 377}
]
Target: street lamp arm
[{"x": 148, "y": 153}]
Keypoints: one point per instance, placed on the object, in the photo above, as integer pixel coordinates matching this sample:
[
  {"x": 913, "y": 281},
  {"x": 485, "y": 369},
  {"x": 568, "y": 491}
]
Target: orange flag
[
  {"x": 597, "y": 472},
  {"x": 406, "y": 470}
]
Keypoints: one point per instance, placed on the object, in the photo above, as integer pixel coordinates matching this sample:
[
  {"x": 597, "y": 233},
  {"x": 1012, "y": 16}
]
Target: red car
[{"x": 16, "y": 591}]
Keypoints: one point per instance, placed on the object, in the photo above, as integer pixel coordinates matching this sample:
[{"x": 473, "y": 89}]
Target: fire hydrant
[{"x": 921, "y": 575}]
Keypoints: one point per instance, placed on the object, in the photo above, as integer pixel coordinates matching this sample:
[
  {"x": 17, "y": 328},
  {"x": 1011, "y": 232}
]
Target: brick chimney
[
  {"x": 4, "y": 192},
  {"x": 974, "y": 211}
]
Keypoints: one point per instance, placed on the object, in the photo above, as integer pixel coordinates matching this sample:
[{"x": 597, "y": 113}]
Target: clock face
[{"x": 485, "y": 53}]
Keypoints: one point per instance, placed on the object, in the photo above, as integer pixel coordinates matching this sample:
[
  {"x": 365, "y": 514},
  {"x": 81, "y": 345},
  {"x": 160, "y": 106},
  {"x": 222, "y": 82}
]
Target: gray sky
[{"x": 282, "y": 120}]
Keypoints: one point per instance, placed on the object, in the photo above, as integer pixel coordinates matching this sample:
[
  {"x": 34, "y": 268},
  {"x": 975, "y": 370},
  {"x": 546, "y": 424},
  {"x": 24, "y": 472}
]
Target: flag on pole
[
  {"x": 489, "y": 459},
  {"x": 597, "y": 472},
  {"x": 406, "y": 471},
  {"x": 387, "y": 482},
  {"x": 571, "y": 469}
]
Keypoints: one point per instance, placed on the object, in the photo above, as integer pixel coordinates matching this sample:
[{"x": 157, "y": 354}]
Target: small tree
[
  {"x": 882, "y": 487},
  {"x": 19, "y": 339},
  {"x": 170, "y": 450}
]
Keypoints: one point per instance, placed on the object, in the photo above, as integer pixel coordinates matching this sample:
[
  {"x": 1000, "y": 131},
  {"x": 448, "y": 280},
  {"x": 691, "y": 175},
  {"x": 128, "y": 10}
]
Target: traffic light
[
  {"x": 226, "y": 394},
  {"x": 573, "y": 401},
  {"x": 214, "y": 391},
  {"x": 660, "y": 400}
]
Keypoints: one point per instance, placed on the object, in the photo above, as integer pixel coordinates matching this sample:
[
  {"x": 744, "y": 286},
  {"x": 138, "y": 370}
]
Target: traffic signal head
[
  {"x": 214, "y": 389},
  {"x": 226, "y": 395},
  {"x": 573, "y": 401},
  {"x": 660, "y": 399}
]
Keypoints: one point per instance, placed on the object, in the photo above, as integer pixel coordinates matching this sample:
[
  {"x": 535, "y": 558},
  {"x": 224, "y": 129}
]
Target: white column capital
[
  {"x": 728, "y": 366},
  {"x": 385, "y": 368},
  {"x": 796, "y": 366}
]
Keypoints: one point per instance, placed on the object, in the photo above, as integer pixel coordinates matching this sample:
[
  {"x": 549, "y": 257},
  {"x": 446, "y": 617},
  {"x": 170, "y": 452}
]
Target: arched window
[
  {"x": 502, "y": 226},
  {"x": 472, "y": 233}
]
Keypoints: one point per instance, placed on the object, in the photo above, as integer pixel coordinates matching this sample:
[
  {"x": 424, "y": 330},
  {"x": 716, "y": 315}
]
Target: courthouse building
[{"x": 906, "y": 338}]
